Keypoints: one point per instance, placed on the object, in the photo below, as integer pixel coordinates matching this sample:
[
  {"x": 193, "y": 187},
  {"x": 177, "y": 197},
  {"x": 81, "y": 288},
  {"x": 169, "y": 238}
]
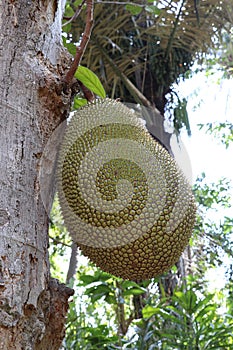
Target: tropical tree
[{"x": 33, "y": 103}]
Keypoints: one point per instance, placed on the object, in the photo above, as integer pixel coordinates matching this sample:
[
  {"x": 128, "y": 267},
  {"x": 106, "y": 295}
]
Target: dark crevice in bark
[{"x": 53, "y": 305}]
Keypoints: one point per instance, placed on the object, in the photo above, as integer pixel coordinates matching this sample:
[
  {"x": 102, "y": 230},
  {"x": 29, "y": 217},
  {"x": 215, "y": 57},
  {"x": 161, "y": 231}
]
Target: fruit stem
[{"x": 80, "y": 49}]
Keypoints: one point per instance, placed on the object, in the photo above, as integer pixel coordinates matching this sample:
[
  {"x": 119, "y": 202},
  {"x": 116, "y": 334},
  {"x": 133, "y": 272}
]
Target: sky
[{"x": 209, "y": 100}]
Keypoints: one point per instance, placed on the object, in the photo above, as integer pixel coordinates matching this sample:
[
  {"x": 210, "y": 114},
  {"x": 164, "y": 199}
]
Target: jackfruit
[{"x": 124, "y": 199}]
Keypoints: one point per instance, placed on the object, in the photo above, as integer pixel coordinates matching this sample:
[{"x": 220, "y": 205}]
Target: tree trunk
[{"x": 32, "y": 104}]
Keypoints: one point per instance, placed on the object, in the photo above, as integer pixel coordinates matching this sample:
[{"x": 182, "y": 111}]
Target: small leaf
[
  {"x": 133, "y": 291},
  {"x": 69, "y": 12},
  {"x": 110, "y": 299},
  {"x": 153, "y": 9},
  {"x": 98, "y": 291},
  {"x": 134, "y": 9},
  {"x": 102, "y": 276},
  {"x": 79, "y": 102},
  {"x": 90, "y": 80},
  {"x": 66, "y": 28},
  {"x": 70, "y": 46},
  {"x": 87, "y": 279},
  {"x": 77, "y": 2},
  {"x": 149, "y": 311},
  {"x": 128, "y": 284}
]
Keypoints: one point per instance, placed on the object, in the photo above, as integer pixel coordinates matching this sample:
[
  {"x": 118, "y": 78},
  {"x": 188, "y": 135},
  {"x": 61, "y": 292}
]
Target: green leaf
[
  {"x": 90, "y": 80},
  {"x": 153, "y": 9},
  {"x": 134, "y": 291},
  {"x": 69, "y": 12},
  {"x": 70, "y": 46},
  {"x": 87, "y": 279},
  {"x": 77, "y": 2},
  {"x": 110, "y": 299},
  {"x": 168, "y": 316},
  {"x": 191, "y": 300},
  {"x": 79, "y": 102},
  {"x": 176, "y": 310},
  {"x": 97, "y": 292},
  {"x": 149, "y": 311},
  {"x": 134, "y": 9},
  {"x": 205, "y": 312},
  {"x": 66, "y": 28},
  {"x": 128, "y": 284},
  {"x": 103, "y": 276}
]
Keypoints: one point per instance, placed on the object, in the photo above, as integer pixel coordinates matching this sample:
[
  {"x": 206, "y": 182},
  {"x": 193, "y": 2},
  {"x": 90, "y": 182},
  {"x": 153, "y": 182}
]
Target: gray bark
[{"x": 32, "y": 105}]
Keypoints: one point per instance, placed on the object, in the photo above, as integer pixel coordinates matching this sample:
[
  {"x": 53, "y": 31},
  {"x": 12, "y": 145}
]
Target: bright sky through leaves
[{"x": 208, "y": 154}]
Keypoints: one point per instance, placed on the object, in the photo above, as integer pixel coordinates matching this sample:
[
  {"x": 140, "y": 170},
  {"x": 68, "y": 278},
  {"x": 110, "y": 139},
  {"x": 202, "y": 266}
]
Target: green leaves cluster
[
  {"x": 136, "y": 9},
  {"x": 190, "y": 320},
  {"x": 221, "y": 131},
  {"x": 91, "y": 82},
  {"x": 181, "y": 116},
  {"x": 212, "y": 239},
  {"x": 93, "y": 321}
]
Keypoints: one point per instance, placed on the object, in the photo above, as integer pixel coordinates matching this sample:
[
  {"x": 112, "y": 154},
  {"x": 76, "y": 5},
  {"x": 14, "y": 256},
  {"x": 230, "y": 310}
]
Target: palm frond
[{"x": 151, "y": 49}]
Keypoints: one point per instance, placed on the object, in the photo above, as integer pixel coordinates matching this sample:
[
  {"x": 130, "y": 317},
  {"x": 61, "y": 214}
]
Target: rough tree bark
[{"x": 32, "y": 104}]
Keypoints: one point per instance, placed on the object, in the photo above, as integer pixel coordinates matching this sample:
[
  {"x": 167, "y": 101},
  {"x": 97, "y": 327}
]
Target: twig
[
  {"x": 172, "y": 35},
  {"x": 86, "y": 92},
  {"x": 76, "y": 14},
  {"x": 82, "y": 47},
  {"x": 120, "y": 3},
  {"x": 73, "y": 263},
  {"x": 59, "y": 242}
]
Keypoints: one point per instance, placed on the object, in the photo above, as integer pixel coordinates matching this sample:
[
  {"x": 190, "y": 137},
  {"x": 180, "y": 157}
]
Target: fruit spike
[{"x": 124, "y": 200}]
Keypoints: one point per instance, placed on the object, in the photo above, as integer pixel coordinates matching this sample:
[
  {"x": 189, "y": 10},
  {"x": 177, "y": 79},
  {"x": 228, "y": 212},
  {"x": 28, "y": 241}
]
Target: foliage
[
  {"x": 213, "y": 233},
  {"x": 90, "y": 80},
  {"x": 59, "y": 241},
  {"x": 177, "y": 113},
  {"x": 221, "y": 131},
  {"x": 189, "y": 320},
  {"x": 103, "y": 315},
  {"x": 103, "y": 298},
  {"x": 226, "y": 54}
]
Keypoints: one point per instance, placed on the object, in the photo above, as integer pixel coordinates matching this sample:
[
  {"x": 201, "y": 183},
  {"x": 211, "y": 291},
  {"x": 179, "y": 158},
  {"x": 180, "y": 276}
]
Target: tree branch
[
  {"x": 172, "y": 34},
  {"x": 82, "y": 47},
  {"x": 86, "y": 92},
  {"x": 120, "y": 3},
  {"x": 76, "y": 14},
  {"x": 73, "y": 263}
]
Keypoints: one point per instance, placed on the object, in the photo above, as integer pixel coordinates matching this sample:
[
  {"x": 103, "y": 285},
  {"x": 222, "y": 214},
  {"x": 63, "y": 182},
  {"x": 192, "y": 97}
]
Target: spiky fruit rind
[{"x": 124, "y": 200}]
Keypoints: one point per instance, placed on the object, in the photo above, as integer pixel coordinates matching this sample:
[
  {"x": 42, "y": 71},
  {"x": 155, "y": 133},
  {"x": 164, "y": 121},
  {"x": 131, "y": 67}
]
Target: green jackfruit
[{"x": 124, "y": 200}]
